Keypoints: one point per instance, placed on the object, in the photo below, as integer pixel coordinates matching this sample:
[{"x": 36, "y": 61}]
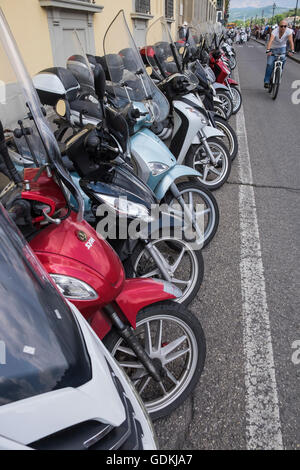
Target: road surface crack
[{"x": 263, "y": 186}]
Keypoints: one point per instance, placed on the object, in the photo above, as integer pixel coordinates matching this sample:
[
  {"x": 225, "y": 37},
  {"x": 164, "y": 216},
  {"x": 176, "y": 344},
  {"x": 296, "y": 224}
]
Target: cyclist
[{"x": 277, "y": 45}]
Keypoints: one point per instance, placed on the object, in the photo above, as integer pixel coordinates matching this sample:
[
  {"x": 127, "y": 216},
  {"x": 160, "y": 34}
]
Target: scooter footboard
[{"x": 138, "y": 293}]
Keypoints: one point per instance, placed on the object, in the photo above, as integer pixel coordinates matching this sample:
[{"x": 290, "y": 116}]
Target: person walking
[{"x": 277, "y": 45}]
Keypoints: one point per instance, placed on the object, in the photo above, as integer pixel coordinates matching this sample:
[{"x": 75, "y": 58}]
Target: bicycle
[{"x": 276, "y": 75}]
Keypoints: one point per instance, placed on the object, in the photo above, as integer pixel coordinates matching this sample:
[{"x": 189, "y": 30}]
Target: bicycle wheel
[{"x": 276, "y": 84}]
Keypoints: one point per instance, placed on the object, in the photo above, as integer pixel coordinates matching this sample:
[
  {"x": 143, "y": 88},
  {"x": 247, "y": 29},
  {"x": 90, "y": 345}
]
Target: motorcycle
[{"x": 164, "y": 357}]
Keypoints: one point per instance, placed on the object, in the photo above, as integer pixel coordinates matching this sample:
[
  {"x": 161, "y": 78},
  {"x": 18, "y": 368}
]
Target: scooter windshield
[
  {"x": 162, "y": 54},
  {"x": 80, "y": 66},
  {"x": 128, "y": 77},
  {"x": 22, "y": 115}
]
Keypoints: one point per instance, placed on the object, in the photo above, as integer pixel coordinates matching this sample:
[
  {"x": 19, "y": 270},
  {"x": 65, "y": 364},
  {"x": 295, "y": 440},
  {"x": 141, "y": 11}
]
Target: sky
[{"x": 261, "y": 3}]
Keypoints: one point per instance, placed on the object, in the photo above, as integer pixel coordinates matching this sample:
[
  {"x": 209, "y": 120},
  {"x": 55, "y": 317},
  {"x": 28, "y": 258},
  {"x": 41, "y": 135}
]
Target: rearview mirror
[{"x": 61, "y": 108}]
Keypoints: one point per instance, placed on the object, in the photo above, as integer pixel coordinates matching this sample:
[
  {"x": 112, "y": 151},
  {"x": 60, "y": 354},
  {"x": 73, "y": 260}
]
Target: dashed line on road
[{"x": 263, "y": 429}]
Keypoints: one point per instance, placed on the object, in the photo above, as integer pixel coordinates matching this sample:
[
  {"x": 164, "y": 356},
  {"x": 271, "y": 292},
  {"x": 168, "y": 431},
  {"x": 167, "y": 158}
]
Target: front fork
[
  {"x": 125, "y": 331},
  {"x": 204, "y": 142},
  {"x": 187, "y": 211},
  {"x": 229, "y": 88}
]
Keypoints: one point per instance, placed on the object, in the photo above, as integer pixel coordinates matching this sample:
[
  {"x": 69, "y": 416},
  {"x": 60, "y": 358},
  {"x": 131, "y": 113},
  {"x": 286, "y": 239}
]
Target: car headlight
[
  {"x": 157, "y": 168},
  {"x": 73, "y": 288},
  {"x": 126, "y": 208}
]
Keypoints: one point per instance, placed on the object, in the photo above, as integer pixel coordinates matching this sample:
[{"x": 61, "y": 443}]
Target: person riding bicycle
[{"x": 277, "y": 45}]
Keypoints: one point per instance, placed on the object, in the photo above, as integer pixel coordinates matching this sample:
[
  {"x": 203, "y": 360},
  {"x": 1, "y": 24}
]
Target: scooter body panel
[
  {"x": 187, "y": 123},
  {"x": 80, "y": 248}
]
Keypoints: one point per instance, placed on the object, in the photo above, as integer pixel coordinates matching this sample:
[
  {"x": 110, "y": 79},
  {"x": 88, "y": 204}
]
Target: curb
[{"x": 295, "y": 59}]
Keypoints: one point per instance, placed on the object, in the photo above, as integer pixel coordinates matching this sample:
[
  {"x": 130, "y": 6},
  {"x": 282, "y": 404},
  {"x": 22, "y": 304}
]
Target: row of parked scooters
[{"x": 108, "y": 166}]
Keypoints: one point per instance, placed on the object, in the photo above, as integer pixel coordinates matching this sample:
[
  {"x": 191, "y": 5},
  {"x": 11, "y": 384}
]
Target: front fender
[
  {"x": 208, "y": 131},
  {"x": 139, "y": 293},
  {"x": 232, "y": 82},
  {"x": 173, "y": 174},
  {"x": 219, "y": 86}
]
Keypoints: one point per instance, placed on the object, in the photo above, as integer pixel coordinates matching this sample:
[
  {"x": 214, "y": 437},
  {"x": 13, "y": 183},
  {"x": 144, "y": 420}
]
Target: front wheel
[
  {"x": 174, "y": 340},
  {"x": 204, "y": 208},
  {"x": 226, "y": 102},
  {"x": 184, "y": 265},
  {"x": 213, "y": 175},
  {"x": 237, "y": 99},
  {"x": 230, "y": 139},
  {"x": 276, "y": 84}
]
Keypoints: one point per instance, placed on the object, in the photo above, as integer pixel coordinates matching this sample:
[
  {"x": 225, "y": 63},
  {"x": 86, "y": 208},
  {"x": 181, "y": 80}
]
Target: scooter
[
  {"x": 222, "y": 73},
  {"x": 193, "y": 139},
  {"x": 84, "y": 267}
]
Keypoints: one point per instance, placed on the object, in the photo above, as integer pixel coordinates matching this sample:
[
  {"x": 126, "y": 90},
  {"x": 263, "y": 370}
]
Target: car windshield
[
  {"x": 41, "y": 346},
  {"x": 22, "y": 115}
]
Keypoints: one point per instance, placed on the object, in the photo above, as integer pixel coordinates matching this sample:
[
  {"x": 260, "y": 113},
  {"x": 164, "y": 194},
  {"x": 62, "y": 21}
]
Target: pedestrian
[{"x": 297, "y": 39}]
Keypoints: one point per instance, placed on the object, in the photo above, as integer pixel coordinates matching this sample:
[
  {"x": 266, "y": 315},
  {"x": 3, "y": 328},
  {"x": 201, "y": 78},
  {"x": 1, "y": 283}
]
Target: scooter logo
[
  {"x": 2, "y": 353},
  {"x": 2, "y": 92},
  {"x": 90, "y": 243}
]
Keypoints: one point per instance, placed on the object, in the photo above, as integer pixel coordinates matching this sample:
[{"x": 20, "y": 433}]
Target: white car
[{"x": 59, "y": 386}]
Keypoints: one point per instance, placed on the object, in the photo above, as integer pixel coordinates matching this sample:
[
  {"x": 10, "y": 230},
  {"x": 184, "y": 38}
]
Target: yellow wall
[{"x": 29, "y": 24}]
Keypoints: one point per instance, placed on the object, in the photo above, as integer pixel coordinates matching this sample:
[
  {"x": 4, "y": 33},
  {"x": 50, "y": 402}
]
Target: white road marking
[{"x": 262, "y": 407}]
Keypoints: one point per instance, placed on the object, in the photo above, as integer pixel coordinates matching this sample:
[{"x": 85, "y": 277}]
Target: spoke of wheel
[
  {"x": 127, "y": 351},
  {"x": 154, "y": 272},
  {"x": 143, "y": 384},
  {"x": 173, "y": 345},
  {"x": 200, "y": 213},
  {"x": 158, "y": 337},
  {"x": 205, "y": 174},
  {"x": 163, "y": 388},
  {"x": 131, "y": 365},
  {"x": 181, "y": 282},
  {"x": 178, "y": 261},
  {"x": 171, "y": 377},
  {"x": 215, "y": 171},
  {"x": 148, "y": 342},
  {"x": 172, "y": 357}
]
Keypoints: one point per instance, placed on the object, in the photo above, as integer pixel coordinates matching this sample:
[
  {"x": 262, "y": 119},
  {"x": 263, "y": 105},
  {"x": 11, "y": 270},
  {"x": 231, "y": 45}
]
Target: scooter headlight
[
  {"x": 127, "y": 208},
  {"x": 157, "y": 168},
  {"x": 73, "y": 288}
]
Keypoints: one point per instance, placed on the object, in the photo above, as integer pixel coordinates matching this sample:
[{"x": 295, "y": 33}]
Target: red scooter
[
  {"x": 222, "y": 73},
  {"x": 165, "y": 357}
]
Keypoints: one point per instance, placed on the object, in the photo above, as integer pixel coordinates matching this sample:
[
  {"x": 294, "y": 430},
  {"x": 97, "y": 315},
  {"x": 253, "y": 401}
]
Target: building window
[
  {"x": 169, "y": 8},
  {"x": 220, "y": 4},
  {"x": 143, "y": 6}
]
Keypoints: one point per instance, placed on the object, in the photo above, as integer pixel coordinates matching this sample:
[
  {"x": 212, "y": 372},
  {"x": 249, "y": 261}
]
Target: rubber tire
[
  {"x": 236, "y": 110},
  {"x": 129, "y": 270},
  {"x": 224, "y": 124},
  {"x": 189, "y": 161},
  {"x": 187, "y": 185},
  {"x": 232, "y": 63},
  {"x": 220, "y": 111},
  {"x": 229, "y": 99},
  {"x": 179, "y": 311},
  {"x": 276, "y": 85}
]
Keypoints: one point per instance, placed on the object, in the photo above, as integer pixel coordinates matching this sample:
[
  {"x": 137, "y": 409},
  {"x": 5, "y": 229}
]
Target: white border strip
[{"x": 262, "y": 407}]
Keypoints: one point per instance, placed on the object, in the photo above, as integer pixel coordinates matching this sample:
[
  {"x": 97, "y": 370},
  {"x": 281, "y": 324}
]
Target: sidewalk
[{"x": 295, "y": 58}]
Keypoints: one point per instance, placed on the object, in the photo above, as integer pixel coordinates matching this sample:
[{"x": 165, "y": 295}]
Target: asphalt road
[{"x": 216, "y": 416}]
